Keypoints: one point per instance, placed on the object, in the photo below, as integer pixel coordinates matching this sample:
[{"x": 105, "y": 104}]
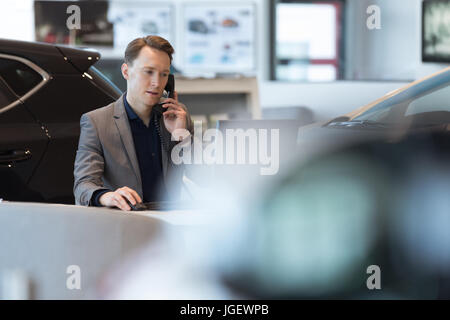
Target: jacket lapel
[{"x": 123, "y": 126}]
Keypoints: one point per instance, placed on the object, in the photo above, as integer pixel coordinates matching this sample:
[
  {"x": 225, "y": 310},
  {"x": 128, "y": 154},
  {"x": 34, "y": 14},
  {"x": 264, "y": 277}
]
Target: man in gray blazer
[{"x": 124, "y": 148}]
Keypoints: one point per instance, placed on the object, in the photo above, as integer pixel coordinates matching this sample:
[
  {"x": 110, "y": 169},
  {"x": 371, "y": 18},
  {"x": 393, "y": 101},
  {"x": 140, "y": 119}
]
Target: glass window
[
  {"x": 6, "y": 96},
  {"x": 438, "y": 100},
  {"x": 19, "y": 76},
  {"x": 424, "y": 104},
  {"x": 307, "y": 40},
  {"x": 104, "y": 82}
]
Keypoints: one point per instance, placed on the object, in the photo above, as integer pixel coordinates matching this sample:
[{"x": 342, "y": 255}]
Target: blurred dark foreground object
[{"x": 320, "y": 231}]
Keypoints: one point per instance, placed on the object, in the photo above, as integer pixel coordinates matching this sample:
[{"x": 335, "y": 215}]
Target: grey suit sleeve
[{"x": 89, "y": 163}]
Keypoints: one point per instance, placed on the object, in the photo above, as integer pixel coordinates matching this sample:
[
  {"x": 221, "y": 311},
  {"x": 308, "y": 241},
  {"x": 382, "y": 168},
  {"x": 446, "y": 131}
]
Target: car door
[
  {"x": 22, "y": 139},
  {"x": 59, "y": 105}
]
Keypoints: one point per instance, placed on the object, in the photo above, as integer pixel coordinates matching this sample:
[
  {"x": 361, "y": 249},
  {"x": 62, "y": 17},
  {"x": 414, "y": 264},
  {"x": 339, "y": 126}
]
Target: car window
[
  {"x": 20, "y": 77},
  {"x": 104, "y": 83},
  {"x": 426, "y": 103},
  {"x": 438, "y": 100},
  {"x": 6, "y": 96}
]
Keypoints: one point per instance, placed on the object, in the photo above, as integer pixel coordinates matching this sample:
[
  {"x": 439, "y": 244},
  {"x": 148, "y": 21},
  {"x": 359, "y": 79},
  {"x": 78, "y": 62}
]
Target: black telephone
[{"x": 170, "y": 88}]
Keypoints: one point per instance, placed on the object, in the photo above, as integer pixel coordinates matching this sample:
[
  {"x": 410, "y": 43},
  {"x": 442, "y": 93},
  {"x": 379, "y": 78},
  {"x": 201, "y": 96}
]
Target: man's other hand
[{"x": 117, "y": 198}]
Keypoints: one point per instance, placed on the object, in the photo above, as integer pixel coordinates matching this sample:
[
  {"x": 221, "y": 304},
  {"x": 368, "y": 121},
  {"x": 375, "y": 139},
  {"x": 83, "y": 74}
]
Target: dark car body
[
  {"x": 44, "y": 90},
  {"x": 369, "y": 189}
]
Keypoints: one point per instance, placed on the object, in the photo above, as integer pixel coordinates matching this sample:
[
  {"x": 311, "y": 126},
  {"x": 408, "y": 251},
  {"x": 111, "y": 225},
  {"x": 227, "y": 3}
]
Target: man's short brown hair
[{"x": 155, "y": 42}]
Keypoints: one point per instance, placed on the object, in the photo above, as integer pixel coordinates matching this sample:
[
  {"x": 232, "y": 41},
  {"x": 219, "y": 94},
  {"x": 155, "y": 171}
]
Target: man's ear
[{"x": 125, "y": 69}]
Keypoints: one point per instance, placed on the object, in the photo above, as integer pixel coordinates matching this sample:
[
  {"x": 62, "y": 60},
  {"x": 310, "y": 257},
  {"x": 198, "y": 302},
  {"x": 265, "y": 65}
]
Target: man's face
[{"x": 147, "y": 76}]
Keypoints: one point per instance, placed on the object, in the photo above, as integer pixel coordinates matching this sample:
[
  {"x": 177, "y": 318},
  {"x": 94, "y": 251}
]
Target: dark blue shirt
[{"x": 147, "y": 144}]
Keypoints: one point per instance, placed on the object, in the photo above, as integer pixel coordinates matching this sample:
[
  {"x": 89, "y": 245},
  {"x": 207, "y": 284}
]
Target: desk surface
[
  {"x": 180, "y": 217},
  {"x": 189, "y": 217}
]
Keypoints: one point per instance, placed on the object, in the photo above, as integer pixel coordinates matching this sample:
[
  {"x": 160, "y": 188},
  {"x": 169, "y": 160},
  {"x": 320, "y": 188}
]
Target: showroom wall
[
  {"x": 17, "y": 20},
  {"x": 394, "y": 51},
  {"x": 391, "y": 53}
]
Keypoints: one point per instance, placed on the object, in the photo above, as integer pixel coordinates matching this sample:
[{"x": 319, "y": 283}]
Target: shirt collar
[{"x": 130, "y": 112}]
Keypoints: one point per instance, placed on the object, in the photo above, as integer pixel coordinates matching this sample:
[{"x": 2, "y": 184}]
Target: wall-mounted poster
[
  {"x": 137, "y": 19},
  {"x": 436, "y": 31},
  {"x": 219, "y": 38}
]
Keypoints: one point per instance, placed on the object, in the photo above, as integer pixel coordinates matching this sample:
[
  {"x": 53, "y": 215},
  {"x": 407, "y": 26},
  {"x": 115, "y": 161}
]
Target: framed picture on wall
[
  {"x": 137, "y": 19},
  {"x": 436, "y": 31},
  {"x": 219, "y": 37}
]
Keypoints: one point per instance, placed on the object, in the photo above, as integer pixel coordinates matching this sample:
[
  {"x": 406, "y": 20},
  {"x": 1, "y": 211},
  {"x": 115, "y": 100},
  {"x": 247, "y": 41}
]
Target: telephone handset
[{"x": 170, "y": 88}]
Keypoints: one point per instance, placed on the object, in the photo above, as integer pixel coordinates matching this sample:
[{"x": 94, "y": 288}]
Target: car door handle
[{"x": 12, "y": 156}]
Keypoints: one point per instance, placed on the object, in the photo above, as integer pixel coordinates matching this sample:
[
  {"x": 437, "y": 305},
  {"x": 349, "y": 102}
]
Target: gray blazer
[{"x": 106, "y": 157}]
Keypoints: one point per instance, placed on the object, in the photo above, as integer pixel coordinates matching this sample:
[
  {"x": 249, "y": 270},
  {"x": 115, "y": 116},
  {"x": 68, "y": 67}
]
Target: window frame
[
  {"x": 45, "y": 78},
  {"x": 340, "y": 52}
]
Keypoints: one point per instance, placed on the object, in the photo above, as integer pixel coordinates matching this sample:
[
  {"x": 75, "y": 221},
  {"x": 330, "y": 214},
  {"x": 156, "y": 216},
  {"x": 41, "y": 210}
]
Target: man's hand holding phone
[
  {"x": 175, "y": 116},
  {"x": 119, "y": 198}
]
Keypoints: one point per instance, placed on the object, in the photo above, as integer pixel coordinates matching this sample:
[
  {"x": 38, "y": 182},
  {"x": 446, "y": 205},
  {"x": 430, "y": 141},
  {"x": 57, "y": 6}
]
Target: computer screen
[{"x": 254, "y": 152}]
